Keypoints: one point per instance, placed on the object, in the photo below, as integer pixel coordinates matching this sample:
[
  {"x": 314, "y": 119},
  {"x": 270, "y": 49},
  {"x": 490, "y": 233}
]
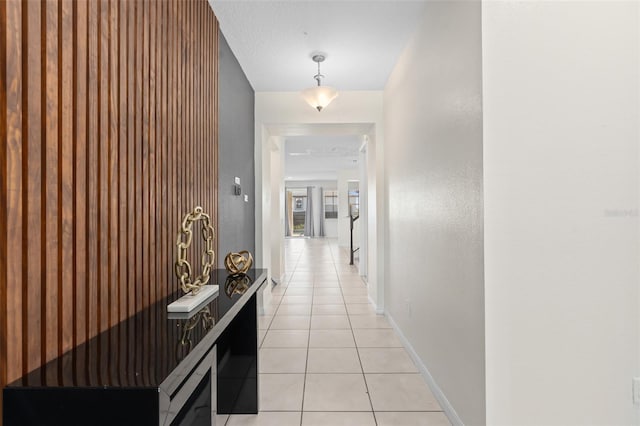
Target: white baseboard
[
  {"x": 379, "y": 311},
  {"x": 435, "y": 389}
]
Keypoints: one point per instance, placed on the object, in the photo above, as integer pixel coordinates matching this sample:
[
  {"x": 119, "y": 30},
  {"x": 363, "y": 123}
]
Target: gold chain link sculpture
[
  {"x": 184, "y": 344},
  {"x": 182, "y": 266},
  {"x": 238, "y": 263}
]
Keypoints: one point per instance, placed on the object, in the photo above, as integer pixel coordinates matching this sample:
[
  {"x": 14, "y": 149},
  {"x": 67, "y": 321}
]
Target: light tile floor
[{"x": 326, "y": 358}]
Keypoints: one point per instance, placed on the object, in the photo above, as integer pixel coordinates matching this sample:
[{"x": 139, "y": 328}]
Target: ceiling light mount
[
  {"x": 319, "y": 96},
  {"x": 318, "y": 59}
]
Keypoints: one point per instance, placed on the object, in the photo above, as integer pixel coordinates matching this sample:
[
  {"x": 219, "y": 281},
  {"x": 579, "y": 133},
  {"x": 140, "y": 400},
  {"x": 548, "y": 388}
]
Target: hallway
[{"x": 326, "y": 358}]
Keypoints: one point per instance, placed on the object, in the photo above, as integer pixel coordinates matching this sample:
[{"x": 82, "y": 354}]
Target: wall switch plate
[
  {"x": 237, "y": 190},
  {"x": 246, "y": 198},
  {"x": 407, "y": 304},
  {"x": 236, "y": 180},
  {"x": 636, "y": 390}
]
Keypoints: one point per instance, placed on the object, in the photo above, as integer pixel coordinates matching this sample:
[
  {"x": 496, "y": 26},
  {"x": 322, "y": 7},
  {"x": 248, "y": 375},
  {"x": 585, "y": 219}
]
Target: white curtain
[
  {"x": 321, "y": 208},
  {"x": 308, "y": 214}
]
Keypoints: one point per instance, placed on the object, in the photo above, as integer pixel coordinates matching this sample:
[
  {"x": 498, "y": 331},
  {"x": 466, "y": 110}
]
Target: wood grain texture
[
  {"x": 13, "y": 181},
  {"x": 32, "y": 190},
  {"x": 3, "y": 193},
  {"x": 109, "y": 113},
  {"x": 66, "y": 273}
]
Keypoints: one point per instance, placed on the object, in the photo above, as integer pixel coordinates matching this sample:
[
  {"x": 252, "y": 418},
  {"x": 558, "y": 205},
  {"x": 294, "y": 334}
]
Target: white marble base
[{"x": 189, "y": 302}]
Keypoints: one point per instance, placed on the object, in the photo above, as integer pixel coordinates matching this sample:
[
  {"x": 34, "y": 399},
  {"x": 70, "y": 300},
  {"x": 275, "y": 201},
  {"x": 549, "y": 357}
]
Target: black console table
[{"x": 154, "y": 368}]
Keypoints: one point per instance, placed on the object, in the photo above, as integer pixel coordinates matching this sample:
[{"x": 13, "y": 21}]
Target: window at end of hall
[{"x": 331, "y": 204}]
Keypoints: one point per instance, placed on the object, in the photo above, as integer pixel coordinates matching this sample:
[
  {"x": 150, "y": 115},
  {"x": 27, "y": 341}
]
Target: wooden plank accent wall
[{"x": 108, "y": 117}]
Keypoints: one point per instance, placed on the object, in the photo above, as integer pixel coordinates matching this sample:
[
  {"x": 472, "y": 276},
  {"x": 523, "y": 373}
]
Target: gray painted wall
[
  {"x": 236, "y": 218},
  {"x": 433, "y": 169}
]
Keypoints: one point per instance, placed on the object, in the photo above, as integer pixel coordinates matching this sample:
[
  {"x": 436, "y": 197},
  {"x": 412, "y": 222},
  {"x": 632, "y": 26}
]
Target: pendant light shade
[{"x": 319, "y": 96}]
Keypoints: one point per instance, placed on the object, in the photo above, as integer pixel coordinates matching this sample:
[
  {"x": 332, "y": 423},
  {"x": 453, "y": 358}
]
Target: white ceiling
[
  {"x": 320, "y": 157},
  {"x": 274, "y": 40}
]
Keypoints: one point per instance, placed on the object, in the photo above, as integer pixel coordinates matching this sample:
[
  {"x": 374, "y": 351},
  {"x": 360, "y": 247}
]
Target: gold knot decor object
[
  {"x": 237, "y": 284},
  {"x": 182, "y": 266},
  {"x": 238, "y": 263}
]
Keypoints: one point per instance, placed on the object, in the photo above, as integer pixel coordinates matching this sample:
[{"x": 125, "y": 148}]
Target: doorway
[
  {"x": 355, "y": 241},
  {"x": 274, "y": 176},
  {"x": 296, "y": 212}
]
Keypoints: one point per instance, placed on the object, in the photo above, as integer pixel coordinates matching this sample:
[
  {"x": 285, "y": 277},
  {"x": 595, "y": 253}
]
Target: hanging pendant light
[{"x": 319, "y": 96}]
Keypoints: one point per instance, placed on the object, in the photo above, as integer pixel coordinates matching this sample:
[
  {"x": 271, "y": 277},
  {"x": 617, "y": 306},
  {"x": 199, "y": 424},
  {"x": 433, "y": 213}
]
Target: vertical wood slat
[
  {"x": 172, "y": 115},
  {"x": 164, "y": 182},
  {"x": 152, "y": 150},
  {"x": 155, "y": 106},
  {"x": 144, "y": 213},
  {"x": 92, "y": 166},
  {"x": 187, "y": 160},
  {"x": 197, "y": 60},
  {"x": 122, "y": 176},
  {"x": 138, "y": 149},
  {"x": 113, "y": 195},
  {"x": 106, "y": 108},
  {"x": 122, "y": 155},
  {"x": 164, "y": 172},
  {"x": 92, "y": 309},
  {"x": 80, "y": 175},
  {"x": 186, "y": 94},
  {"x": 66, "y": 144},
  {"x": 178, "y": 121},
  {"x": 137, "y": 158},
  {"x": 130, "y": 179},
  {"x": 50, "y": 166},
  {"x": 104, "y": 118},
  {"x": 103, "y": 181},
  {"x": 6, "y": 85},
  {"x": 14, "y": 183},
  {"x": 3, "y": 194},
  {"x": 32, "y": 204}
]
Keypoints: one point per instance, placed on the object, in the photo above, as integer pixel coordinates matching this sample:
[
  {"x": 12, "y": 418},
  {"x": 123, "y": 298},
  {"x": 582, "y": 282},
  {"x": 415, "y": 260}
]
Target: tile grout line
[
  {"x": 366, "y": 385},
  {"x": 317, "y": 273},
  {"x": 287, "y": 280},
  {"x": 306, "y": 362},
  {"x": 312, "y": 272}
]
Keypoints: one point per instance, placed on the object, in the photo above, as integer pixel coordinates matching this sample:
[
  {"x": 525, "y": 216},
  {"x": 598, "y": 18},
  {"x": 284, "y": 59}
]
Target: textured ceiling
[
  {"x": 319, "y": 141},
  {"x": 274, "y": 40},
  {"x": 320, "y": 157}
]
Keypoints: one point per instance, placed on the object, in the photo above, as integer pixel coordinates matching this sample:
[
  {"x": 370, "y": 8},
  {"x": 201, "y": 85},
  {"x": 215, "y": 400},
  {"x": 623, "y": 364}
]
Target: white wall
[
  {"x": 277, "y": 209},
  {"x": 376, "y": 215},
  {"x": 363, "y": 174},
  {"x": 433, "y": 167},
  {"x": 344, "y": 223},
  {"x": 285, "y": 113},
  {"x": 331, "y": 228},
  {"x": 561, "y": 133}
]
